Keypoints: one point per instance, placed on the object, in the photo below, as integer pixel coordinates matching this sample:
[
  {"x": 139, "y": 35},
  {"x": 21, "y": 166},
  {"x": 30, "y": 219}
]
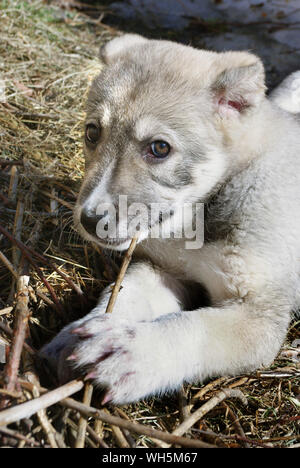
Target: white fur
[{"x": 287, "y": 95}]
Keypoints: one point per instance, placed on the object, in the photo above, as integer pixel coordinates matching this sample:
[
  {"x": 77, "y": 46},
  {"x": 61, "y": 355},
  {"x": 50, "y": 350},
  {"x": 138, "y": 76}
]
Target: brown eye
[
  {"x": 160, "y": 148},
  {"x": 92, "y": 133}
]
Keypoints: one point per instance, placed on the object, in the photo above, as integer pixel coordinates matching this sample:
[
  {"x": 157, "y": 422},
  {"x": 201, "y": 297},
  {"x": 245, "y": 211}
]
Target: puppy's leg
[
  {"x": 287, "y": 94},
  {"x": 136, "y": 359},
  {"x": 146, "y": 293}
]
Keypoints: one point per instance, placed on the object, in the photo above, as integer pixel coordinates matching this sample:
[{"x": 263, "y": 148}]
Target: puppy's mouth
[
  {"x": 113, "y": 239},
  {"x": 118, "y": 243},
  {"x": 114, "y": 244}
]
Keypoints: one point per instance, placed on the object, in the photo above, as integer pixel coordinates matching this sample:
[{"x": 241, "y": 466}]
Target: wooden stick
[
  {"x": 133, "y": 426},
  {"x": 59, "y": 396},
  {"x": 123, "y": 269},
  {"x": 42, "y": 415},
  {"x": 280, "y": 374},
  {"x": 128, "y": 436},
  {"x": 184, "y": 409},
  {"x": 200, "y": 394},
  {"x": 6, "y": 310},
  {"x": 25, "y": 410},
  {"x": 9, "y": 331},
  {"x": 22, "y": 313},
  {"x": 121, "y": 441},
  {"x": 68, "y": 280},
  {"x": 118, "y": 434},
  {"x": 10, "y": 162},
  {"x": 82, "y": 425},
  {"x": 17, "y": 435},
  {"x": 8, "y": 265},
  {"x": 18, "y": 222},
  {"x": 59, "y": 200},
  {"x": 74, "y": 426},
  {"x": 95, "y": 436},
  {"x": 13, "y": 183},
  {"x": 6, "y": 201},
  {"x": 236, "y": 423}
]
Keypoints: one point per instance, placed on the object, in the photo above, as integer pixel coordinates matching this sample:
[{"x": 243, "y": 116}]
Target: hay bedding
[{"x": 48, "y": 56}]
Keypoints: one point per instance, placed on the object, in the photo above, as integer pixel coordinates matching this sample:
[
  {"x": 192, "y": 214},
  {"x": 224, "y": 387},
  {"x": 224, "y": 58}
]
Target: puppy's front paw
[
  {"x": 56, "y": 352},
  {"x": 116, "y": 354}
]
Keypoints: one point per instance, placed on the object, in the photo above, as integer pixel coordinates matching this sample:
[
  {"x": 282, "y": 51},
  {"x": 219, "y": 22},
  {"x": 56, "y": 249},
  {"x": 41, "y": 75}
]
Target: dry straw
[{"x": 48, "y": 276}]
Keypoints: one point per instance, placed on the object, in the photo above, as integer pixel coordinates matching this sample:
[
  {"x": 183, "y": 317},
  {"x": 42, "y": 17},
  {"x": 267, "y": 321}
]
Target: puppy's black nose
[{"x": 89, "y": 221}]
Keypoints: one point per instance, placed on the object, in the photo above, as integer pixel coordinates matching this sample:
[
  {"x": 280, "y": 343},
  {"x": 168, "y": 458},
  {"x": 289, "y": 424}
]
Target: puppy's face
[{"x": 153, "y": 134}]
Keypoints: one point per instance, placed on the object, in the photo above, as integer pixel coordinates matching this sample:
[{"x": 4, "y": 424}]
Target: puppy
[{"x": 171, "y": 125}]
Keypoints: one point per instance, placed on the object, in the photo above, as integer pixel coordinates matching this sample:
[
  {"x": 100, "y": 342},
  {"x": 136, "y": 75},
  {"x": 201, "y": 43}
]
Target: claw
[
  {"x": 90, "y": 375},
  {"x": 72, "y": 357},
  {"x": 107, "y": 398},
  {"x": 77, "y": 331},
  {"x": 81, "y": 331}
]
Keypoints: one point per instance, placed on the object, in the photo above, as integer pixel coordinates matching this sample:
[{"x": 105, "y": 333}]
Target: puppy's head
[{"x": 156, "y": 132}]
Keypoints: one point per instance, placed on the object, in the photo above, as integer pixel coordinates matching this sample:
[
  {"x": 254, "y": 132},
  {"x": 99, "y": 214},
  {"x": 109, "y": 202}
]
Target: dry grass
[{"x": 48, "y": 57}]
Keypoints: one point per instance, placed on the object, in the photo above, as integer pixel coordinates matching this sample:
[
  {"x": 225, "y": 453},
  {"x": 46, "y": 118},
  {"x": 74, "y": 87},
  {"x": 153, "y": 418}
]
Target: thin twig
[
  {"x": 18, "y": 222},
  {"x": 8, "y": 265},
  {"x": 24, "y": 250},
  {"x": 60, "y": 394},
  {"x": 82, "y": 425},
  {"x": 221, "y": 438},
  {"x": 68, "y": 280},
  {"x": 9, "y": 331},
  {"x": 133, "y": 426},
  {"x": 118, "y": 434},
  {"x": 208, "y": 406},
  {"x": 17, "y": 435},
  {"x": 6, "y": 311},
  {"x": 74, "y": 426},
  {"x": 9, "y": 162},
  {"x": 95, "y": 436},
  {"x": 6, "y": 201},
  {"x": 3, "y": 391},
  {"x": 129, "y": 438},
  {"x": 123, "y": 269},
  {"x": 240, "y": 382},
  {"x": 280, "y": 374},
  {"x": 184, "y": 409},
  {"x": 42, "y": 415},
  {"x": 59, "y": 200},
  {"x": 22, "y": 313},
  {"x": 236, "y": 423},
  {"x": 25, "y": 410},
  {"x": 200, "y": 394}
]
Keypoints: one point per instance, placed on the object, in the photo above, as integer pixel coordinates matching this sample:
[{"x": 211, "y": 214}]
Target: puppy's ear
[
  {"x": 111, "y": 51},
  {"x": 241, "y": 84}
]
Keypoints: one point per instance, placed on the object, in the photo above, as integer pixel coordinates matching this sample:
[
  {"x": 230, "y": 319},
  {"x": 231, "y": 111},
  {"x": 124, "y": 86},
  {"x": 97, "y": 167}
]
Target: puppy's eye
[
  {"x": 160, "y": 149},
  {"x": 92, "y": 133}
]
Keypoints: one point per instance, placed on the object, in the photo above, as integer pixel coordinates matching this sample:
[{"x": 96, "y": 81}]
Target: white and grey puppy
[{"x": 169, "y": 123}]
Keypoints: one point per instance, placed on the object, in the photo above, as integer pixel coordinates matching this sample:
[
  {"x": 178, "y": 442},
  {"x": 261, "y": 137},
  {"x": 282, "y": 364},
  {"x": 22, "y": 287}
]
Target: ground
[{"x": 48, "y": 57}]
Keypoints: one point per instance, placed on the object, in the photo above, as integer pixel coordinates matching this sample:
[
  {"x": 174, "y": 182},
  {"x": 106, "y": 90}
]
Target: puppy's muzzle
[{"x": 90, "y": 220}]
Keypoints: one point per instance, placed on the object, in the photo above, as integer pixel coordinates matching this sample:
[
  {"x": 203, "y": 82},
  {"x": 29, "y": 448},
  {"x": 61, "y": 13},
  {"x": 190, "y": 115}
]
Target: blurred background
[{"x": 269, "y": 28}]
